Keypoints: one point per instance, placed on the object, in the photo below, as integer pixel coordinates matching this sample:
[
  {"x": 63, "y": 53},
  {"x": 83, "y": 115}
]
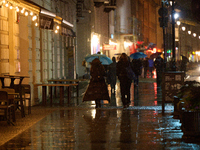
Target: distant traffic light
[
  {"x": 169, "y": 51},
  {"x": 195, "y": 7}
]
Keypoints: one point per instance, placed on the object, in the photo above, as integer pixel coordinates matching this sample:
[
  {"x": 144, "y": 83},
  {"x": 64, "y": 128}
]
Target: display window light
[{"x": 48, "y": 13}]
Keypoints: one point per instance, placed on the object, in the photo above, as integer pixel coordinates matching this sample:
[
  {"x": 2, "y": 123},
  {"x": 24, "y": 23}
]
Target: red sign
[{"x": 109, "y": 47}]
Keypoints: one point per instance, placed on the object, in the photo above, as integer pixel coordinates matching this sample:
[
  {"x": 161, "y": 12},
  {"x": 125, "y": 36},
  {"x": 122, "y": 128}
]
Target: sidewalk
[{"x": 82, "y": 127}]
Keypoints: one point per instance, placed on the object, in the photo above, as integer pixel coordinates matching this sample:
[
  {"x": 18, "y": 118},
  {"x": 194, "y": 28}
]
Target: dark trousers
[
  {"x": 125, "y": 85},
  {"x": 136, "y": 81},
  {"x": 159, "y": 78},
  {"x": 145, "y": 72}
]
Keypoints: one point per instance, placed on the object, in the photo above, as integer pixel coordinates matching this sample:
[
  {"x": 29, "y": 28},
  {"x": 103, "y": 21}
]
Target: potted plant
[{"x": 189, "y": 107}]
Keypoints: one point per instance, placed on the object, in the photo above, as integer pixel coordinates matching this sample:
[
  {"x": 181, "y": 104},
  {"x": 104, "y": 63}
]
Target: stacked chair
[{"x": 7, "y": 108}]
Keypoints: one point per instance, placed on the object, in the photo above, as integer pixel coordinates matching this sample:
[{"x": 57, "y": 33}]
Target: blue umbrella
[
  {"x": 103, "y": 58},
  {"x": 138, "y": 55}
]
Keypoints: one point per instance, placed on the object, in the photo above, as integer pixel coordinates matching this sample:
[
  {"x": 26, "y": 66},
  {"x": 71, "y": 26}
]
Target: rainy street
[{"x": 141, "y": 126}]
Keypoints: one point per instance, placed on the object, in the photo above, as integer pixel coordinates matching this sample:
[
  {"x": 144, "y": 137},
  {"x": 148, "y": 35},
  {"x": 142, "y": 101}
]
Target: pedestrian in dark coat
[
  {"x": 159, "y": 65},
  {"x": 111, "y": 77},
  {"x": 125, "y": 82},
  {"x": 137, "y": 69},
  {"x": 151, "y": 67},
  {"x": 145, "y": 66},
  {"x": 97, "y": 89}
]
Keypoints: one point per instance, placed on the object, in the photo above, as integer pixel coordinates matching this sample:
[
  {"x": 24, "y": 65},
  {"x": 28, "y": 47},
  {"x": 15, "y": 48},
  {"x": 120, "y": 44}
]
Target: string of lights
[{"x": 27, "y": 10}]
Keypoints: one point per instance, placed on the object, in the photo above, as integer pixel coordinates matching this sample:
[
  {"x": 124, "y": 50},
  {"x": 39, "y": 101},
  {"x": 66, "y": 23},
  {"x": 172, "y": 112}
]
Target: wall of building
[{"x": 25, "y": 49}]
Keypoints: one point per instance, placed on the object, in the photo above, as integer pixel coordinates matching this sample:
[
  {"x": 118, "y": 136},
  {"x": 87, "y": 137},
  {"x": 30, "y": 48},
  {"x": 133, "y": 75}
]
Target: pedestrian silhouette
[
  {"x": 125, "y": 82},
  {"x": 145, "y": 66},
  {"x": 111, "y": 76},
  {"x": 137, "y": 69},
  {"x": 151, "y": 66},
  {"x": 159, "y": 65},
  {"x": 97, "y": 89}
]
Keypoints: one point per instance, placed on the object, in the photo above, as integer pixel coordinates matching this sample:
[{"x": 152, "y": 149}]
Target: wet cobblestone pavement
[{"x": 139, "y": 127}]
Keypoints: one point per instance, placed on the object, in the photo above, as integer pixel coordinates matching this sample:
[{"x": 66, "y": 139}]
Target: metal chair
[
  {"x": 6, "y": 108},
  {"x": 27, "y": 91}
]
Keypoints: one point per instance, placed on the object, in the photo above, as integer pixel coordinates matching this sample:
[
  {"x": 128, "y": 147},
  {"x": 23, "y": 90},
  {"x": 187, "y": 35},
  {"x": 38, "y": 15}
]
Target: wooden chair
[
  {"x": 6, "y": 108},
  {"x": 17, "y": 100}
]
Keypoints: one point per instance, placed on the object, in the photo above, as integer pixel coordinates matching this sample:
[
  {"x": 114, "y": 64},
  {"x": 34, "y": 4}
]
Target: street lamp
[
  {"x": 179, "y": 39},
  {"x": 173, "y": 67}
]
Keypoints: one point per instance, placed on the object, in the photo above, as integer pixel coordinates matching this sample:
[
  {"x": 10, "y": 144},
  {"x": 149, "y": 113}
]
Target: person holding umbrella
[{"x": 97, "y": 89}]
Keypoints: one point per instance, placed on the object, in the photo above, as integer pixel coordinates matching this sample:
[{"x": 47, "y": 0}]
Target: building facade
[{"x": 38, "y": 40}]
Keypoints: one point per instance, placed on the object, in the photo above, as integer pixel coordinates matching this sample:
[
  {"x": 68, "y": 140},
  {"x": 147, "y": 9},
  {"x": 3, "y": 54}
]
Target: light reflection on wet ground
[
  {"x": 83, "y": 128},
  {"x": 141, "y": 126}
]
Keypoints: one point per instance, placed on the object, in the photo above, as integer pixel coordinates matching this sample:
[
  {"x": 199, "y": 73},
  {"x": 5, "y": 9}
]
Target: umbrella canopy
[
  {"x": 155, "y": 55},
  {"x": 103, "y": 58},
  {"x": 138, "y": 55}
]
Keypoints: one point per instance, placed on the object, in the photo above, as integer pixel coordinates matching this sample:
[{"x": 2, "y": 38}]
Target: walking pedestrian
[
  {"x": 125, "y": 82},
  {"x": 151, "y": 66},
  {"x": 145, "y": 66},
  {"x": 137, "y": 69},
  {"x": 97, "y": 89},
  {"x": 111, "y": 77},
  {"x": 184, "y": 64},
  {"x": 159, "y": 65}
]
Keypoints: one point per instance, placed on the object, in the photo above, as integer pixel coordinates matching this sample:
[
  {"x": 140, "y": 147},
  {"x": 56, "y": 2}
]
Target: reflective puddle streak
[{"x": 88, "y": 128}]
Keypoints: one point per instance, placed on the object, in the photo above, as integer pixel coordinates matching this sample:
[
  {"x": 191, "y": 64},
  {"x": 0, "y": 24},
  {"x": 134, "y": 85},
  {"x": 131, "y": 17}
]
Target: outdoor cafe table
[
  {"x": 70, "y": 81},
  {"x": 12, "y": 78},
  {"x": 44, "y": 91}
]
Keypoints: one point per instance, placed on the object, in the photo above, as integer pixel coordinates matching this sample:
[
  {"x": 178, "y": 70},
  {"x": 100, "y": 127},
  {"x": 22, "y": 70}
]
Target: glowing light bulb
[
  {"x": 31, "y": 13},
  {"x": 22, "y": 11},
  {"x": 36, "y": 24},
  {"x": 34, "y": 18},
  {"x": 6, "y": 4},
  {"x": 56, "y": 31},
  {"x": 57, "y": 27},
  {"x": 11, "y": 7},
  {"x": 17, "y": 9},
  {"x": 26, "y": 13}
]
